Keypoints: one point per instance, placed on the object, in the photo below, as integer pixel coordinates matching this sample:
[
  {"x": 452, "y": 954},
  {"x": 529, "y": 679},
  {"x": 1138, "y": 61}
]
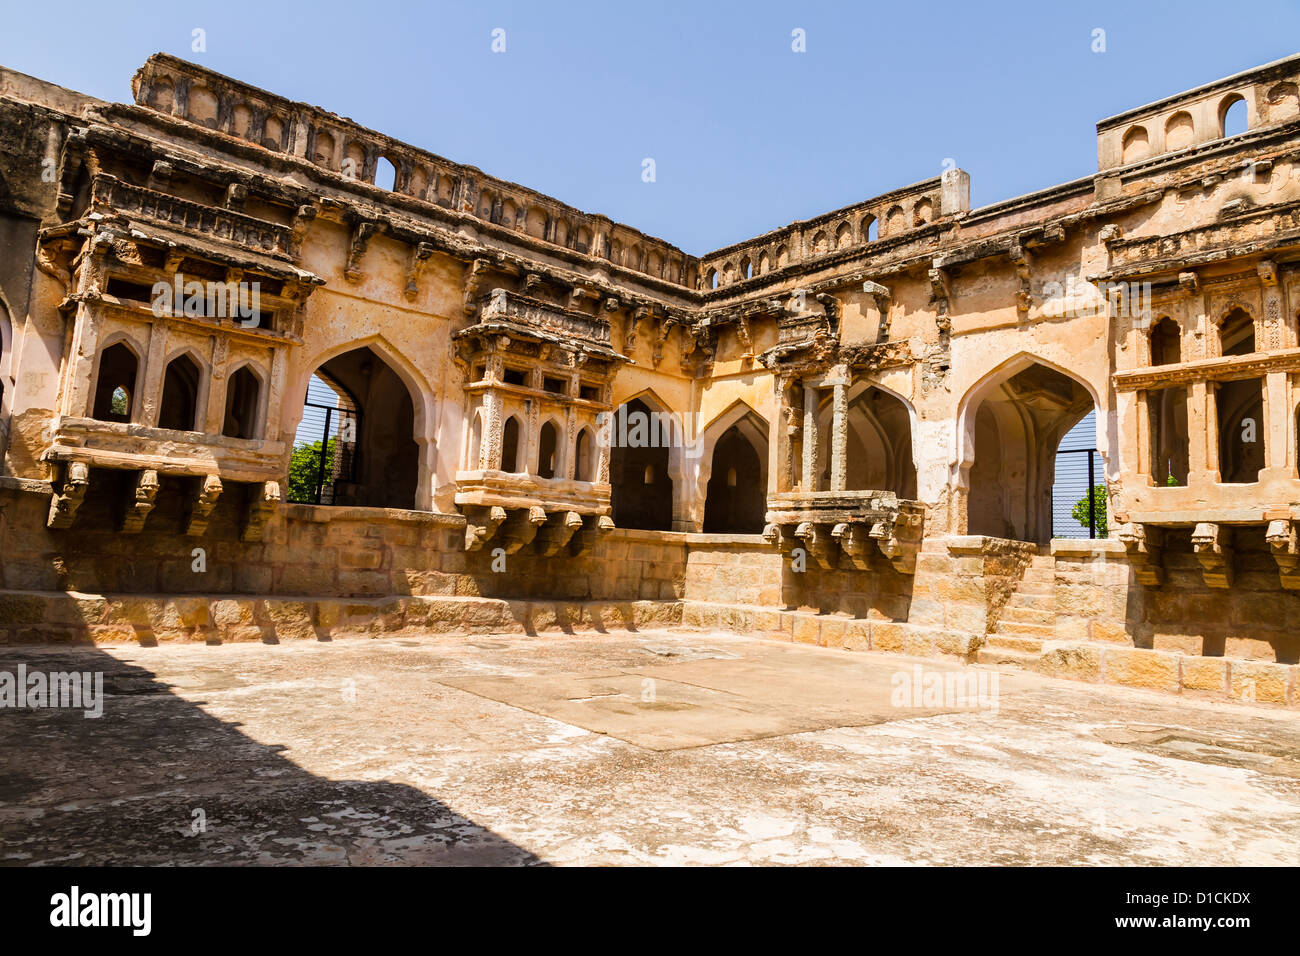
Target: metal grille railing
[
  {"x": 1077, "y": 471},
  {"x": 325, "y": 447}
]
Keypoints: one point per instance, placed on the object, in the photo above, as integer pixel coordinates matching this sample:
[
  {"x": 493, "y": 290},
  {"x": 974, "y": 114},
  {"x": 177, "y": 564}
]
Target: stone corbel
[
  {"x": 66, "y": 501},
  {"x": 1143, "y": 546},
  {"x": 481, "y": 524},
  {"x": 1213, "y": 546},
  {"x": 302, "y": 220},
  {"x": 1190, "y": 282},
  {"x": 236, "y": 193},
  {"x": 781, "y": 537},
  {"x": 263, "y": 499},
  {"x": 832, "y": 309},
  {"x": 1020, "y": 260},
  {"x": 140, "y": 502},
  {"x": 593, "y": 528},
  {"x": 160, "y": 175},
  {"x": 881, "y": 295},
  {"x": 172, "y": 263},
  {"x": 415, "y": 262},
  {"x": 577, "y": 295},
  {"x": 205, "y": 495},
  {"x": 358, "y": 242},
  {"x": 635, "y": 320},
  {"x": 1267, "y": 270},
  {"x": 1110, "y": 233},
  {"x": 475, "y": 273},
  {"x": 532, "y": 282},
  {"x": 939, "y": 293},
  {"x": 521, "y": 526},
  {"x": 819, "y": 544},
  {"x": 557, "y": 532},
  {"x": 661, "y": 337},
  {"x": 742, "y": 330},
  {"x": 899, "y": 539},
  {"x": 855, "y": 544},
  {"x": 1282, "y": 541}
]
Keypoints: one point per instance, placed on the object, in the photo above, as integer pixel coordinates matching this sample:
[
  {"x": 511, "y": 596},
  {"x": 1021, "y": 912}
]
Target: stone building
[{"x": 268, "y": 374}]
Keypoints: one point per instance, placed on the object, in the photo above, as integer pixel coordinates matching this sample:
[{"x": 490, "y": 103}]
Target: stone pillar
[
  {"x": 1212, "y": 431},
  {"x": 275, "y": 394},
  {"x": 1199, "y": 429},
  {"x": 809, "y": 482},
  {"x": 839, "y": 436},
  {"x": 1274, "y": 426},
  {"x": 149, "y": 380},
  {"x": 490, "y": 454}
]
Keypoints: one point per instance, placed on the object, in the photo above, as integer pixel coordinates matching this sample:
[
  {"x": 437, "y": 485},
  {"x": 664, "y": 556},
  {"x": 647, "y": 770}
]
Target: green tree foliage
[
  {"x": 1080, "y": 512},
  {"x": 304, "y": 469}
]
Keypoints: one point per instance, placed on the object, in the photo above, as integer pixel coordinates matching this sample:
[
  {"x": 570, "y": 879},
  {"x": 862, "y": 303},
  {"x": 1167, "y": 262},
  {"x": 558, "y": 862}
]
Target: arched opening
[
  {"x": 1014, "y": 427},
  {"x": 1167, "y": 427},
  {"x": 1237, "y": 333},
  {"x": 474, "y": 450},
  {"x": 510, "y": 445},
  {"x": 735, "y": 500},
  {"x": 878, "y": 453},
  {"x": 1136, "y": 145},
  {"x": 1240, "y": 405},
  {"x": 1165, "y": 342},
  {"x": 870, "y": 228},
  {"x": 1233, "y": 117},
  {"x": 180, "y": 396},
  {"x": 1179, "y": 131},
  {"x": 385, "y": 173},
  {"x": 641, "y": 488},
  {"x": 356, "y": 442},
  {"x": 115, "y": 384},
  {"x": 548, "y": 451},
  {"x": 583, "y": 463},
  {"x": 242, "y": 405}
]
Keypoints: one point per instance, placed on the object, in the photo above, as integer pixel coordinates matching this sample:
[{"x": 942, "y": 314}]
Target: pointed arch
[
  {"x": 184, "y": 391},
  {"x": 736, "y": 439},
  {"x": 245, "y": 412}
]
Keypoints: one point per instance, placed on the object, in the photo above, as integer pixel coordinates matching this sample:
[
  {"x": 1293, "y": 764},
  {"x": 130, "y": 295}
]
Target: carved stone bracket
[
  {"x": 855, "y": 544},
  {"x": 1190, "y": 282},
  {"x": 263, "y": 500},
  {"x": 557, "y": 532},
  {"x": 593, "y": 527},
  {"x": 420, "y": 253},
  {"x": 1285, "y": 545},
  {"x": 819, "y": 543},
  {"x": 882, "y": 296},
  {"x": 1020, "y": 260},
  {"x": 66, "y": 501},
  {"x": 481, "y": 524},
  {"x": 520, "y": 527},
  {"x": 1143, "y": 546},
  {"x": 475, "y": 273},
  {"x": 204, "y": 499},
  {"x": 302, "y": 220},
  {"x": 362, "y": 233},
  {"x": 140, "y": 502},
  {"x": 1213, "y": 546},
  {"x": 899, "y": 539}
]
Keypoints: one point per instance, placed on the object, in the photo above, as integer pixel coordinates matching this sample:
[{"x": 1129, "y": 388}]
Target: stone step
[
  {"x": 1014, "y": 642},
  {"x": 1027, "y": 615},
  {"x": 1043, "y": 561},
  {"x": 1043, "y": 632},
  {"x": 1039, "y": 576},
  {"x": 999, "y": 655},
  {"x": 1034, "y": 593}
]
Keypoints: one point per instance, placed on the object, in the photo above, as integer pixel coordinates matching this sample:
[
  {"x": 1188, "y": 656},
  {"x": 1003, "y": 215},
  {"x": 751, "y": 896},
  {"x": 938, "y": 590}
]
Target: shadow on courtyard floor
[{"x": 157, "y": 781}]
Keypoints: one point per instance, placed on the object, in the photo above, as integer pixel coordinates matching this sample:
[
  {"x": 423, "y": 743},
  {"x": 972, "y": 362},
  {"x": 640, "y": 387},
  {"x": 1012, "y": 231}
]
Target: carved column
[
  {"x": 809, "y": 482},
  {"x": 839, "y": 437},
  {"x": 490, "y": 454}
]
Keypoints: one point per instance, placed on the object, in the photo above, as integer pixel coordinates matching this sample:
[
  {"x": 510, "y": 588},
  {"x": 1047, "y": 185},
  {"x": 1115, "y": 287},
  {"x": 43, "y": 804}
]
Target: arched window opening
[
  {"x": 474, "y": 451},
  {"x": 640, "y": 486},
  {"x": 242, "y": 405},
  {"x": 1237, "y": 333},
  {"x": 1234, "y": 118},
  {"x": 385, "y": 173},
  {"x": 180, "y": 395},
  {"x": 548, "y": 452},
  {"x": 1016, "y": 428},
  {"x": 736, "y": 499},
  {"x": 510, "y": 445},
  {"x": 582, "y": 464},
  {"x": 356, "y": 442},
  {"x": 878, "y": 453},
  {"x": 1165, "y": 342},
  {"x": 115, "y": 384}
]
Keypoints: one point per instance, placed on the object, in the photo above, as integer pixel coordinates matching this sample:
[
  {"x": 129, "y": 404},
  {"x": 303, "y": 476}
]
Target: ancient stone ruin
[{"x": 267, "y": 374}]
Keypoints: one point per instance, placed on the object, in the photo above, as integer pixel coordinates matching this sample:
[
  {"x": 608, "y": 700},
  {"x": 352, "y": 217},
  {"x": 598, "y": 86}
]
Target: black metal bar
[
  {"x": 1092, "y": 519},
  {"x": 324, "y": 447}
]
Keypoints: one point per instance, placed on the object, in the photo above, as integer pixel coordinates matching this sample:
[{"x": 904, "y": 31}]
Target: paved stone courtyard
[{"x": 635, "y": 748}]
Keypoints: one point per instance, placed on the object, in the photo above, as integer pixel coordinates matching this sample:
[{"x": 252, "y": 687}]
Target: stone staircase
[{"x": 1027, "y": 619}]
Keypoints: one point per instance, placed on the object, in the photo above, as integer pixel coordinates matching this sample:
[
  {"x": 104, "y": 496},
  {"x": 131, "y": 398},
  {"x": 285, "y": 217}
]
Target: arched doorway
[
  {"x": 641, "y": 488},
  {"x": 356, "y": 442},
  {"x": 735, "y": 494},
  {"x": 1012, "y": 426}
]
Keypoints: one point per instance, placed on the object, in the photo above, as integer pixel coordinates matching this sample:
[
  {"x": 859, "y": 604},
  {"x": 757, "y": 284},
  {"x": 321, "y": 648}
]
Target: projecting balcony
[{"x": 847, "y": 529}]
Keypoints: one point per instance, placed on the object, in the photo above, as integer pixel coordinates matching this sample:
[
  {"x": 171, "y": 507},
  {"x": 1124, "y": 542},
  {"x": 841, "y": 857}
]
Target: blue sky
[{"x": 746, "y": 134}]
